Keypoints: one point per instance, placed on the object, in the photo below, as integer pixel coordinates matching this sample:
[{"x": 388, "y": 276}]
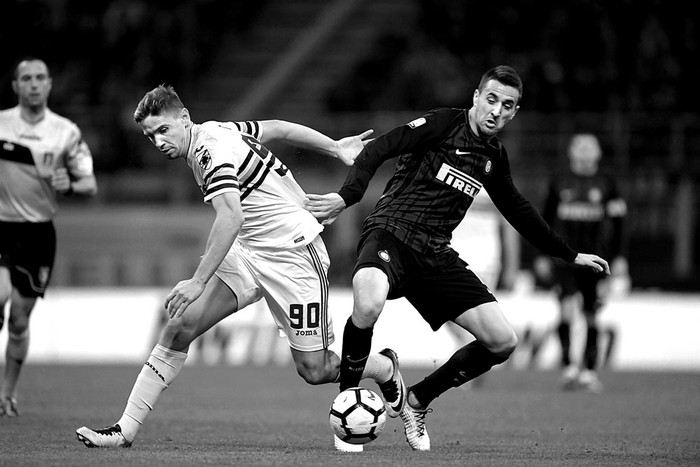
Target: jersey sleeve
[
  {"x": 218, "y": 170},
  {"x": 408, "y": 138},
  {"x": 251, "y": 127},
  {"x": 78, "y": 156},
  {"x": 520, "y": 213}
]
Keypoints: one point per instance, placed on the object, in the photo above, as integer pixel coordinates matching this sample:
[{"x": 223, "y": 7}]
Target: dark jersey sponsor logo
[{"x": 459, "y": 180}]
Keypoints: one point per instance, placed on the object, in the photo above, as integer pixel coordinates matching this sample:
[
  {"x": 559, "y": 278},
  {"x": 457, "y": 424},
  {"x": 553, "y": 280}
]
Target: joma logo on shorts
[{"x": 312, "y": 332}]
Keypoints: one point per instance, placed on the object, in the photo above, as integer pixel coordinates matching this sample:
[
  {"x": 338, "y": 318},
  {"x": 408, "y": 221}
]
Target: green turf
[{"x": 268, "y": 416}]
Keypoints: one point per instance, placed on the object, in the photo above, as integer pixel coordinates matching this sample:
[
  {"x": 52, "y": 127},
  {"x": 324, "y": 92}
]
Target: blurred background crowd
[{"x": 622, "y": 69}]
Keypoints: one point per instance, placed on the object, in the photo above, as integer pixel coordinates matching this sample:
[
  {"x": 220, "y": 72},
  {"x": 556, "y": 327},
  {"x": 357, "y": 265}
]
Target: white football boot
[{"x": 108, "y": 437}]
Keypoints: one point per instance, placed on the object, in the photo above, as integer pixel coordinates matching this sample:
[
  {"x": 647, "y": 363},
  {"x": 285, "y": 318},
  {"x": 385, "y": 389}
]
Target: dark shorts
[
  {"x": 569, "y": 281},
  {"x": 440, "y": 294},
  {"x": 28, "y": 250}
]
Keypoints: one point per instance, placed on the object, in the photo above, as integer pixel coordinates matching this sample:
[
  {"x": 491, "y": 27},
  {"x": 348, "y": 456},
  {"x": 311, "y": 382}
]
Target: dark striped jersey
[
  {"x": 589, "y": 211},
  {"x": 442, "y": 165},
  {"x": 227, "y": 157}
]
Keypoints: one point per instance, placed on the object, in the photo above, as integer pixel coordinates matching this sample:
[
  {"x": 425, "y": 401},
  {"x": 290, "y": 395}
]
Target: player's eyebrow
[{"x": 158, "y": 128}]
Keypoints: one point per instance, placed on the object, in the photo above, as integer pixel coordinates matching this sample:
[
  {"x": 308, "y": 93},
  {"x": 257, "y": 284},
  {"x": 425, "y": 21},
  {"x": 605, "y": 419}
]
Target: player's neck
[{"x": 32, "y": 115}]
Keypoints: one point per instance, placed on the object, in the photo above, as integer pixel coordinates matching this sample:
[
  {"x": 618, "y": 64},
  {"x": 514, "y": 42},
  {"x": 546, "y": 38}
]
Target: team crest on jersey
[
  {"x": 203, "y": 157},
  {"x": 487, "y": 169},
  {"x": 416, "y": 123},
  {"x": 384, "y": 255},
  {"x": 595, "y": 195}
]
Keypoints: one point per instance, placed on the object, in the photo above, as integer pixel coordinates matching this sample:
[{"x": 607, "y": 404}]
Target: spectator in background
[
  {"x": 41, "y": 154},
  {"x": 586, "y": 207}
]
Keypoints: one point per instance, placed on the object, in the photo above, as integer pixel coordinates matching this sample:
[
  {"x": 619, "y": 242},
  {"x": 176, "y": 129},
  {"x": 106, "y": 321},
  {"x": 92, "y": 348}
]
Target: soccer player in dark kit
[
  {"x": 444, "y": 159},
  {"x": 585, "y": 205}
]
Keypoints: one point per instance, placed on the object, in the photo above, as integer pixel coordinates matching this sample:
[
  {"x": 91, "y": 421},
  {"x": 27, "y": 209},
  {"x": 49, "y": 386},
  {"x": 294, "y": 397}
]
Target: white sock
[
  {"x": 379, "y": 368},
  {"x": 160, "y": 370}
]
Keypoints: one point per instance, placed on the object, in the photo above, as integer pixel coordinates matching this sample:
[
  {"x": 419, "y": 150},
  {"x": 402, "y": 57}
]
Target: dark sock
[
  {"x": 467, "y": 363},
  {"x": 357, "y": 344},
  {"x": 591, "y": 353},
  {"x": 564, "y": 332}
]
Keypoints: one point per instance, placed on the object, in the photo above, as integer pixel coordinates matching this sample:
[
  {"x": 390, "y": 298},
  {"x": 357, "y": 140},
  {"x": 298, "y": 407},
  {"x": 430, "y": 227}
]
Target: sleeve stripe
[
  {"x": 220, "y": 188},
  {"x": 216, "y": 169}
]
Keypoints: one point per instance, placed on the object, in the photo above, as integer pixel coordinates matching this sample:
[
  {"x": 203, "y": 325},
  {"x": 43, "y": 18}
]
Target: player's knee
[
  {"x": 179, "y": 333},
  {"x": 366, "y": 311},
  {"x": 313, "y": 374},
  {"x": 504, "y": 344}
]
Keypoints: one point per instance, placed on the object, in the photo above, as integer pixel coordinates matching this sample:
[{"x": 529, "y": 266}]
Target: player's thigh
[
  {"x": 5, "y": 285},
  {"x": 216, "y": 303},
  {"x": 370, "y": 287},
  {"x": 489, "y": 326}
]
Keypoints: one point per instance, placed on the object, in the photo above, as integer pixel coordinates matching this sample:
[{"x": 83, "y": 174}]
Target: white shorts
[{"x": 294, "y": 284}]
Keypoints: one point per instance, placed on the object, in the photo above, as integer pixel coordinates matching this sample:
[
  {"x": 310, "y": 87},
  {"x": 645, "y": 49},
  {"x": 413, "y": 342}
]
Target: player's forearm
[
  {"x": 298, "y": 135},
  {"x": 85, "y": 186},
  {"x": 223, "y": 232}
]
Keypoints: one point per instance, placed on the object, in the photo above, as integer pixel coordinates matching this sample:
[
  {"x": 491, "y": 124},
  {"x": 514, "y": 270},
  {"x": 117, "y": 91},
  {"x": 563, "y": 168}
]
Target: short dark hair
[
  {"x": 504, "y": 75},
  {"x": 26, "y": 58},
  {"x": 157, "y": 101}
]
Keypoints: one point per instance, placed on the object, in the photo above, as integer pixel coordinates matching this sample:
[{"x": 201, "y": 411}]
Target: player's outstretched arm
[
  {"x": 346, "y": 149},
  {"x": 326, "y": 207},
  {"x": 594, "y": 262}
]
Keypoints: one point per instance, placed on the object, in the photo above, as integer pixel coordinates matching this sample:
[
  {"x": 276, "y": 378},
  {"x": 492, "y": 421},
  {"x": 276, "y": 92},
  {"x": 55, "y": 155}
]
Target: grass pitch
[{"x": 264, "y": 416}]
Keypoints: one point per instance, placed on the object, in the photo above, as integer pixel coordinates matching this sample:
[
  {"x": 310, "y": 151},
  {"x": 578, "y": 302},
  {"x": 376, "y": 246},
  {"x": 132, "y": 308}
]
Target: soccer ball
[{"x": 357, "y": 415}]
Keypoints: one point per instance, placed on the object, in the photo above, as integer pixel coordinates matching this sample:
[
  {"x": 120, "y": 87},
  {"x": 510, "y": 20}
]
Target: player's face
[
  {"x": 584, "y": 154},
  {"x": 169, "y": 132},
  {"x": 33, "y": 84},
  {"x": 493, "y": 107}
]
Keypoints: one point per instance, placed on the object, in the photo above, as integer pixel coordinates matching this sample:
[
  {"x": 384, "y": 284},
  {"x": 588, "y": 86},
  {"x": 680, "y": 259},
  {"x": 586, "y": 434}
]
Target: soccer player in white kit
[
  {"x": 41, "y": 154},
  {"x": 262, "y": 244}
]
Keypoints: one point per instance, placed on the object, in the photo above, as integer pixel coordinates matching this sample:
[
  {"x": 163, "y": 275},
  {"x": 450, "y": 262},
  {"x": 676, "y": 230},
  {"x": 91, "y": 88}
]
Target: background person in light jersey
[
  {"x": 262, "y": 244},
  {"x": 41, "y": 154}
]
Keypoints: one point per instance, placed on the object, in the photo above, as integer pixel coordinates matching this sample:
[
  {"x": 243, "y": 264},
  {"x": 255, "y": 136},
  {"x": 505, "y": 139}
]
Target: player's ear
[
  {"x": 185, "y": 115},
  {"x": 517, "y": 107},
  {"x": 475, "y": 97}
]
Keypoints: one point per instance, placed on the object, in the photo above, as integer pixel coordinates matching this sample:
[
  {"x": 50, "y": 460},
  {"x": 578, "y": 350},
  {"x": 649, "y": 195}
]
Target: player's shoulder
[
  {"x": 60, "y": 122},
  {"x": 9, "y": 114},
  {"x": 213, "y": 132}
]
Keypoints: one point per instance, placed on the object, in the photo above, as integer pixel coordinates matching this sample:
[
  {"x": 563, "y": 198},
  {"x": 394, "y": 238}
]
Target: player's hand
[
  {"x": 60, "y": 181},
  {"x": 348, "y": 148},
  {"x": 182, "y": 296},
  {"x": 594, "y": 262},
  {"x": 326, "y": 207}
]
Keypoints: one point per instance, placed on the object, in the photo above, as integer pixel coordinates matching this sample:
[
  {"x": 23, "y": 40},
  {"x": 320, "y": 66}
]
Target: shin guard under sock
[
  {"x": 467, "y": 363},
  {"x": 357, "y": 344},
  {"x": 591, "y": 352},
  {"x": 159, "y": 371},
  {"x": 564, "y": 333}
]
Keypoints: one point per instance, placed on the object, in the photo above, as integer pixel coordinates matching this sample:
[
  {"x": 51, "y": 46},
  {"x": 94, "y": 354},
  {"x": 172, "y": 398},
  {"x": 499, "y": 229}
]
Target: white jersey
[
  {"x": 227, "y": 157},
  {"x": 29, "y": 153}
]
